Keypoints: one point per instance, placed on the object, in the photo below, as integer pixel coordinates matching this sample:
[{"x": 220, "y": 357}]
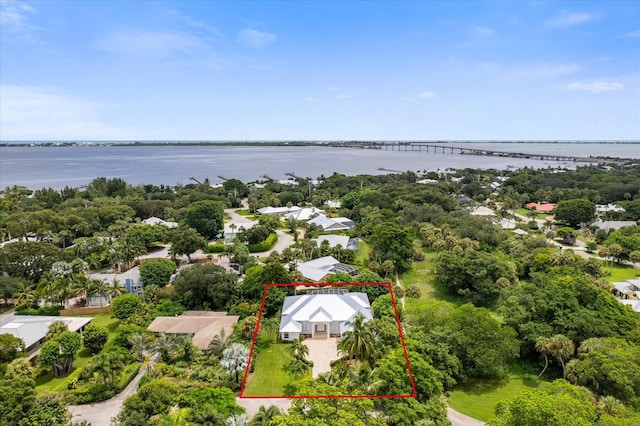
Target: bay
[{"x": 57, "y": 167}]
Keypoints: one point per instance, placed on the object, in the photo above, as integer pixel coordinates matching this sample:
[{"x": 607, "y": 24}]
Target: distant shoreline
[{"x": 332, "y": 143}]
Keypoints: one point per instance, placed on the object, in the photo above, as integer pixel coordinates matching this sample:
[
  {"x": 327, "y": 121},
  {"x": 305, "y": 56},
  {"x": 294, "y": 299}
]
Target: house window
[{"x": 286, "y": 335}]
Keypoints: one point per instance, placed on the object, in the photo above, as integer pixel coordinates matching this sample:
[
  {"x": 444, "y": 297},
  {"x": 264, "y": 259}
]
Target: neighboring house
[
  {"x": 602, "y": 209},
  {"x": 278, "y": 210},
  {"x": 613, "y": 225},
  {"x": 130, "y": 280},
  {"x": 342, "y": 240},
  {"x": 33, "y": 329},
  {"x": 326, "y": 312},
  {"x": 318, "y": 269},
  {"x": 232, "y": 229},
  {"x": 628, "y": 293},
  {"x": 333, "y": 223},
  {"x": 334, "y": 204},
  {"x": 203, "y": 326},
  {"x": 304, "y": 214},
  {"x": 427, "y": 181},
  {"x": 541, "y": 207},
  {"x": 157, "y": 221}
]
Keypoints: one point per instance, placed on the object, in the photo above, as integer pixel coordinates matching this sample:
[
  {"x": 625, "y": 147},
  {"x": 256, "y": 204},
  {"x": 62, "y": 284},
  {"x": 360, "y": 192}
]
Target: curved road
[{"x": 100, "y": 413}]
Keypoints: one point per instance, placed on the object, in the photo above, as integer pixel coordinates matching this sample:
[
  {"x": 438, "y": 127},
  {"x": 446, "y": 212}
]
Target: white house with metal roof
[
  {"x": 317, "y": 269},
  {"x": 327, "y": 312},
  {"x": 33, "y": 329},
  {"x": 332, "y": 223}
]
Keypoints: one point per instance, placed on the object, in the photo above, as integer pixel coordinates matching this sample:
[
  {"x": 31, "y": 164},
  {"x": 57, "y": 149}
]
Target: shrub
[
  {"x": 157, "y": 272},
  {"x": 124, "y": 306},
  {"x": 124, "y": 332},
  {"x": 265, "y": 245},
  {"x": 45, "y": 310},
  {"x": 214, "y": 248},
  {"x": 94, "y": 338},
  {"x": 398, "y": 292},
  {"x": 413, "y": 292}
]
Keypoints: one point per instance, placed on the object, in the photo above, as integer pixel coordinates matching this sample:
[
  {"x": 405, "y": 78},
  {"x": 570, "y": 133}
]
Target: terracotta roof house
[
  {"x": 327, "y": 312},
  {"x": 541, "y": 207},
  {"x": 202, "y": 325}
]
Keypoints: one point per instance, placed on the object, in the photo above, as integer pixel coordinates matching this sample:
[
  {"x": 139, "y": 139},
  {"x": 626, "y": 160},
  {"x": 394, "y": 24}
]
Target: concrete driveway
[{"x": 322, "y": 351}]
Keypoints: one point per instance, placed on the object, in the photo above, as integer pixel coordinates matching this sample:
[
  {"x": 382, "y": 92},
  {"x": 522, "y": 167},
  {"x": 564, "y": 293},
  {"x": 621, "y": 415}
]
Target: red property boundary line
[{"x": 414, "y": 393}]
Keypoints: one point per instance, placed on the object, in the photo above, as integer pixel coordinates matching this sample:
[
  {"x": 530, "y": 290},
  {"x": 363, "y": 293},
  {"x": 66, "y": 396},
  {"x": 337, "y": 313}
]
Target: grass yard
[
  {"x": 479, "y": 398},
  {"x": 44, "y": 377},
  {"x": 362, "y": 256},
  {"x": 527, "y": 213},
  {"x": 269, "y": 377},
  {"x": 246, "y": 213},
  {"x": 619, "y": 272}
]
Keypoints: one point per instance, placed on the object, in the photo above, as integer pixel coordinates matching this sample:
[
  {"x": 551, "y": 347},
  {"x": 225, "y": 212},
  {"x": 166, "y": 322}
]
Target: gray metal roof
[{"x": 32, "y": 329}]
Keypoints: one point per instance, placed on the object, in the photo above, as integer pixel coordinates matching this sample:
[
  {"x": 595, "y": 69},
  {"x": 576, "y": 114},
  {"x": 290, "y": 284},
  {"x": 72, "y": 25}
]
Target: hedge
[
  {"x": 214, "y": 248},
  {"x": 265, "y": 245},
  {"x": 93, "y": 392},
  {"x": 44, "y": 310}
]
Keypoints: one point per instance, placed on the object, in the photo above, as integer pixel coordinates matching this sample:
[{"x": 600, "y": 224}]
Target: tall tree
[
  {"x": 205, "y": 217},
  {"x": 358, "y": 343}
]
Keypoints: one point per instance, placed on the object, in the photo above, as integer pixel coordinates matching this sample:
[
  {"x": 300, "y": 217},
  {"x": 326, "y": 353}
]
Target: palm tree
[
  {"x": 270, "y": 327},
  {"x": 542, "y": 346},
  {"x": 298, "y": 367},
  {"x": 26, "y": 293},
  {"x": 239, "y": 420},
  {"x": 634, "y": 257},
  {"x": 561, "y": 348},
  {"x": 99, "y": 287},
  {"x": 116, "y": 289},
  {"x": 219, "y": 342},
  {"x": 235, "y": 359},
  {"x": 165, "y": 345},
  {"x": 139, "y": 343},
  {"x": 107, "y": 366},
  {"x": 94, "y": 261},
  {"x": 610, "y": 405},
  {"x": 358, "y": 342},
  {"x": 46, "y": 287},
  {"x": 264, "y": 416}
]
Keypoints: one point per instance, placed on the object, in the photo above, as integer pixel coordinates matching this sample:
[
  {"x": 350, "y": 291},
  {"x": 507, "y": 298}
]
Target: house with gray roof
[
  {"x": 322, "y": 313},
  {"x": 33, "y": 329},
  {"x": 318, "y": 269},
  {"x": 338, "y": 240},
  {"x": 613, "y": 225},
  {"x": 332, "y": 223}
]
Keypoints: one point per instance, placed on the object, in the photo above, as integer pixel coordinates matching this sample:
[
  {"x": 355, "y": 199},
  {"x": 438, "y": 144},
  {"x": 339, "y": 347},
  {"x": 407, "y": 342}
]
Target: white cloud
[
  {"x": 310, "y": 99},
  {"x": 596, "y": 86},
  {"x": 571, "y": 19},
  {"x": 332, "y": 89},
  {"x": 544, "y": 71},
  {"x": 427, "y": 95},
  {"x": 15, "y": 20},
  {"x": 632, "y": 34},
  {"x": 421, "y": 95},
  {"x": 341, "y": 97},
  {"x": 256, "y": 38},
  {"x": 483, "y": 31},
  {"x": 30, "y": 112},
  {"x": 158, "y": 44}
]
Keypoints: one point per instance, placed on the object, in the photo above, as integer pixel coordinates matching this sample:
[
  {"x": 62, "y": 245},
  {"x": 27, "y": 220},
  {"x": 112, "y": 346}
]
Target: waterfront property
[
  {"x": 33, "y": 329},
  {"x": 322, "y": 313},
  {"x": 203, "y": 326}
]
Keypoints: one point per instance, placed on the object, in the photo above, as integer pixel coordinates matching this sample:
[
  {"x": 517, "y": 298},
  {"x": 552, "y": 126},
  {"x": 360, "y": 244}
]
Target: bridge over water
[{"x": 436, "y": 148}]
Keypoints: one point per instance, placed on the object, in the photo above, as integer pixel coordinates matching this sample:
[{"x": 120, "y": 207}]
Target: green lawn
[
  {"x": 526, "y": 213},
  {"x": 479, "y": 398},
  {"x": 269, "y": 377},
  {"x": 246, "y": 213},
  {"x": 362, "y": 256},
  {"x": 46, "y": 381},
  {"x": 619, "y": 272}
]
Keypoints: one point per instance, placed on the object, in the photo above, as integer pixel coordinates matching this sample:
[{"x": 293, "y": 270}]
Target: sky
[{"x": 324, "y": 70}]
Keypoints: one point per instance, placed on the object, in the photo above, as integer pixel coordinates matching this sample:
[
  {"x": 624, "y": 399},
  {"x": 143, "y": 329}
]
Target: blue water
[{"x": 56, "y": 167}]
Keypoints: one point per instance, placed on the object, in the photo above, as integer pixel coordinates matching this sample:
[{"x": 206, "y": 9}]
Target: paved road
[
  {"x": 252, "y": 405},
  {"x": 100, "y": 413},
  {"x": 459, "y": 419}
]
